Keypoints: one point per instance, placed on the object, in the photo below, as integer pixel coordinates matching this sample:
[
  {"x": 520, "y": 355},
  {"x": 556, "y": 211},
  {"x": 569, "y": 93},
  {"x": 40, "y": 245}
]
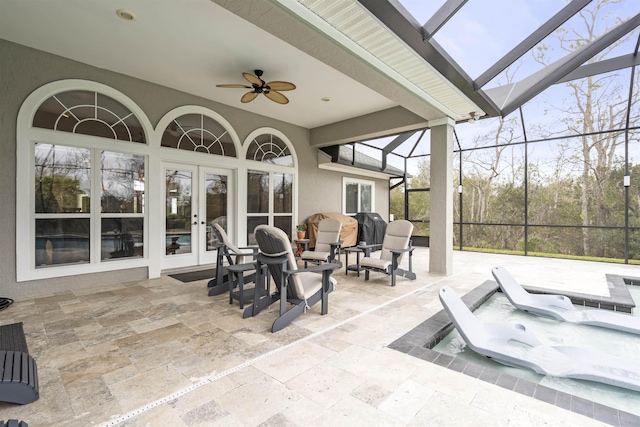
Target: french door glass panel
[
  {"x": 216, "y": 192},
  {"x": 178, "y": 211},
  {"x": 197, "y": 198}
]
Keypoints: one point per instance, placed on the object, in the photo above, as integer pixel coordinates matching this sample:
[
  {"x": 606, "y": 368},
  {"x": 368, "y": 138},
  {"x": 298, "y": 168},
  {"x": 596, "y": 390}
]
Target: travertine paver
[{"x": 104, "y": 352}]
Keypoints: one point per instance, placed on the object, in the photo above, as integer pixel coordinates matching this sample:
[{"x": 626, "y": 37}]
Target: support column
[{"x": 441, "y": 196}]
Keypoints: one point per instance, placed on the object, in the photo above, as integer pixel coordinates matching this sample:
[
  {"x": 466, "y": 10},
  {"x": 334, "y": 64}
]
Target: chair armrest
[
  {"x": 370, "y": 246},
  {"x": 367, "y": 248},
  {"x": 400, "y": 251},
  {"x": 337, "y": 244},
  {"x": 315, "y": 268}
]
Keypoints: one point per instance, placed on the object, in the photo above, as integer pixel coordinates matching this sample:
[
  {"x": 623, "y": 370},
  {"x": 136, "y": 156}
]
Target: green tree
[{"x": 595, "y": 104}]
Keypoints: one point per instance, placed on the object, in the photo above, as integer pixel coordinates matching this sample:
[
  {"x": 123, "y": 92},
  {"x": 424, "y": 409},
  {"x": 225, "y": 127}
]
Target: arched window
[
  {"x": 80, "y": 189},
  {"x": 89, "y": 113},
  {"x": 269, "y": 148},
  {"x": 270, "y": 182},
  {"x": 199, "y": 133}
]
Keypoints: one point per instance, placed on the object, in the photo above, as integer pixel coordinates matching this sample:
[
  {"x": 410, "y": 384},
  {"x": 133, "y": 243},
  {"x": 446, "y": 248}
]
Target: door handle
[{"x": 195, "y": 222}]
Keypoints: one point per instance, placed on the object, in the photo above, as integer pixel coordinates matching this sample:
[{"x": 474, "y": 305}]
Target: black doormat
[
  {"x": 12, "y": 338},
  {"x": 192, "y": 276}
]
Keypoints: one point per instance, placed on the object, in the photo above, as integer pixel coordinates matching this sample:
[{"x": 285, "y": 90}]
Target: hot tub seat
[
  {"x": 559, "y": 307},
  {"x": 513, "y": 345}
]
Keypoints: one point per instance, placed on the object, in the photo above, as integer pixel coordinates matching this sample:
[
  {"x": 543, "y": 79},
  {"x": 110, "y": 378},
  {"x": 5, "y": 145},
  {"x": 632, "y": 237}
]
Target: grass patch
[{"x": 550, "y": 255}]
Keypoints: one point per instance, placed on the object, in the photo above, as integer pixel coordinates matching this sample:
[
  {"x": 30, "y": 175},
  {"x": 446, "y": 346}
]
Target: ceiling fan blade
[
  {"x": 252, "y": 79},
  {"x": 278, "y": 85},
  {"x": 248, "y": 97},
  {"x": 235, "y": 86},
  {"x": 276, "y": 96}
]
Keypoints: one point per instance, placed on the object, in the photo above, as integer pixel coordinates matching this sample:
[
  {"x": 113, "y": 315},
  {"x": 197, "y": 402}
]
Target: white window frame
[
  {"x": 360, "y": 182},
  {"x": 270, "y": 168},
  {"x": 27, "y": 137}
]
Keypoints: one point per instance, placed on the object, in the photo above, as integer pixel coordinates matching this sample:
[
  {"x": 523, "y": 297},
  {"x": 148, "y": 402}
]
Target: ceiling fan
[{"x": 258, "y": 86}]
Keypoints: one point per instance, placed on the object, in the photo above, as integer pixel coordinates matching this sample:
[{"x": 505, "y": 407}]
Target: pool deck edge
[{"x": 420, "y": 341}]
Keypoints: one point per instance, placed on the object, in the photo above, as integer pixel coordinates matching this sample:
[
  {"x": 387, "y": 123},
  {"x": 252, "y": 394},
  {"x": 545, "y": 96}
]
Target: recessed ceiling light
[
  {"x": 127, "y": 15},
  {"x": 325, "y": 99}
]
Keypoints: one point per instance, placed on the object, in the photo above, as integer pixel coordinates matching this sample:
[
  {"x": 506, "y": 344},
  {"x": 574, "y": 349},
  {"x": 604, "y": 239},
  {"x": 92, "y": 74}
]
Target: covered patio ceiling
[{"x": 363, "y": 68}]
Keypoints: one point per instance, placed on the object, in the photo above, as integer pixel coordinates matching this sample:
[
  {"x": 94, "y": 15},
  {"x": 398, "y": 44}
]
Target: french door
[{"x": 196, "y": 198}]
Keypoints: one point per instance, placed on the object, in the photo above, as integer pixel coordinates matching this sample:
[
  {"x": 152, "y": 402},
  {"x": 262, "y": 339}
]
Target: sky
[{"x": 483, "y": 31}]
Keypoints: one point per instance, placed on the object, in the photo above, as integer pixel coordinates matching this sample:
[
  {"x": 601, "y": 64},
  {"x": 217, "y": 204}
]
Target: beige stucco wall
[{"x": 22, "y": 70}]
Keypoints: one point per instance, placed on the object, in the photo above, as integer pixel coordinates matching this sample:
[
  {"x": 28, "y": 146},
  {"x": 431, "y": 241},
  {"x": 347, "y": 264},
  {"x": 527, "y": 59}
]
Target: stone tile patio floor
[{"x": 160, "y": 352}]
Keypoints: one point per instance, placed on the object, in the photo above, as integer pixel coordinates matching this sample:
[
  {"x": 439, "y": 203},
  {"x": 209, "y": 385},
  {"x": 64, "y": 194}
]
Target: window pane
[
  {"x": 252, "y": 223},
  {"x": 89, "y": 113},
  {"x": 178, "y": 212},
  {"x": 588, "y": 105},
  {"x": 365, "y": 198},
  {"x": 420, "y": 170},
  {"x": 456, "y": 187},
  {"x": 634, "y": 116},
  {"x": 270, "y": 149},
  {"x": 421, "y": 229},
  {"x": 396, "y": 202},
  {"x": 578, "y": 180},
  {"x": 419, "y": 205},
  {"x": 494, "y": 237},
  {"x": 62, "y": 241},
  {"x": 216, "y": 211},
  {"x": 284, "y": 223},
  {"x": 216, "y": 139},
  {"x": 554, "y": 183},
  {"x": 351, "y": 198},
  {"x": 634, "y": 244},
  {"x": 121, "y": 238},
  {"x": 257, "y": 192},
  {"x": 122, "y": 183},
  {"x": 634, "y": 172},
  {"x": 199, "y": 133},
  {"x": 493, "y": 187},
  {"x": 593, "y": 242},
  {"x": 62, "y": 183},
  {"x": 282, "y": 193}
]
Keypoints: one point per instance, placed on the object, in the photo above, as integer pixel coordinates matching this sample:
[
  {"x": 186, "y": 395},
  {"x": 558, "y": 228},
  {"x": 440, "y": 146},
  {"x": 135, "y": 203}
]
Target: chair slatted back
[
  {"x": 274, "y": 242},
  {"x": 222, "y": 236}
]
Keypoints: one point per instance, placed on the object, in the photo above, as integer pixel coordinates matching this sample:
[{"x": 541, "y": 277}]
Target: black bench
[
  {"x": 18, "y": 370},
  {"x": 13, "y": 423}
]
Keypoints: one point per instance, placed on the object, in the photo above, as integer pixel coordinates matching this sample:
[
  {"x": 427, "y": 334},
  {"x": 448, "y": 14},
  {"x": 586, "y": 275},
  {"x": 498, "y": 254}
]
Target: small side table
[
  {"x": 365, "y": 249},
  {"x": 356, "y": 266},
  {"x": 236, "y": 273}
]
